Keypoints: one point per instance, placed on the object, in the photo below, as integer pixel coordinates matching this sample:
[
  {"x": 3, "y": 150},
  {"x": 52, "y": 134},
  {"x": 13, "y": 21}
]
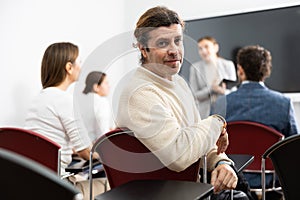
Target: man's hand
[
  {"x": 223, "y": 177},
  {"x": 222, "y": 142}
]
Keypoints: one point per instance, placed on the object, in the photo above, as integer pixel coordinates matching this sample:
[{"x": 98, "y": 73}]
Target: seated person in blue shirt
[{"x": 253, "y": 101}]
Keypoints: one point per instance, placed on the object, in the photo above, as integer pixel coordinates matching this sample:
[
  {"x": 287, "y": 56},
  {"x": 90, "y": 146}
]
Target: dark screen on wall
[{"x": 278, "y": 30}]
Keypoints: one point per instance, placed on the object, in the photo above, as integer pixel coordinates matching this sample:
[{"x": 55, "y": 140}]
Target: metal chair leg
[
  {"x": 204, "y": 159},
  {"x": 263, "y": 179},
  {"x": 204, "y": 168}
]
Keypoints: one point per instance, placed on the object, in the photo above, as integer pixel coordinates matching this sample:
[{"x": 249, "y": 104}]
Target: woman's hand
[{"x": 219, "y": 88}]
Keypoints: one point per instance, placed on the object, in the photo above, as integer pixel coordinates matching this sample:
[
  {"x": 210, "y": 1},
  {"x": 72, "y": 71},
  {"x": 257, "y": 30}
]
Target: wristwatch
[
  {"x": 220, "y": 118},
  {"x": 224, "y": 162}
]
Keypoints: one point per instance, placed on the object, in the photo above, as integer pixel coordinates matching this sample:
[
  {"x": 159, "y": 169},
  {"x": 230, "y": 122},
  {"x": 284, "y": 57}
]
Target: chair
[
  {"x": 31, "y": 145},
  {"x": 125, "y": 158},
  {"x": 286, "y": 162},
  {"x": 23, "y": 178},
  {"x": 246, "y": 137}
]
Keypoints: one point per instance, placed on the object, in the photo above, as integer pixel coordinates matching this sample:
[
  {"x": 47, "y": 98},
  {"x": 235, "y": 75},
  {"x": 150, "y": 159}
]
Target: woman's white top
[{"x": 52, "y": 115}]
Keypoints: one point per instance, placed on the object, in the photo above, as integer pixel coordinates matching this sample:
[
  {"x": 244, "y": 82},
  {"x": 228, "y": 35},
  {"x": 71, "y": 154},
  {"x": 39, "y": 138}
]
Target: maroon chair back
[
  {"x": 125, "y": 158},
  {"x": 252, "y": 138},
  {"x": 31, "y": 145}
]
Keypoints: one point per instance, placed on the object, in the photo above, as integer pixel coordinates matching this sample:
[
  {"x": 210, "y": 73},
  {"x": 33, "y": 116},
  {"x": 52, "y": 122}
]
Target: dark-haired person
[
  {"x": 254, "y": 101},
  {"x": 159, "y": 107},
  {"x": 52, "y": 113},
  {"x": 100, "y": 121},
  {"x": 207, "y": 76}
]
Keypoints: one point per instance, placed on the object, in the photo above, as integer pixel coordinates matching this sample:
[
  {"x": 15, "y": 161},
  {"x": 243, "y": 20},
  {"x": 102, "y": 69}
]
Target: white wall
[{"x": 28, "y": 27}]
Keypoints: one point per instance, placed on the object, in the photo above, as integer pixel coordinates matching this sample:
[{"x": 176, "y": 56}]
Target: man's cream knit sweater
[{"x": 164, "y": 117}]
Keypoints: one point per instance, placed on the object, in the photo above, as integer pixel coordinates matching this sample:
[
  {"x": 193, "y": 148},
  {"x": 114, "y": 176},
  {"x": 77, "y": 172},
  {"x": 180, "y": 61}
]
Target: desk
[
  {"x": 158, "y": 190},
  {"x": 241, "y": 161}
]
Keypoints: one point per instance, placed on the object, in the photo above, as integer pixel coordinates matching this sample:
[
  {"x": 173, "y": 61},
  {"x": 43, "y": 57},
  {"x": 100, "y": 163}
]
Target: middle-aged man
[{"x": 159, "y": 107}]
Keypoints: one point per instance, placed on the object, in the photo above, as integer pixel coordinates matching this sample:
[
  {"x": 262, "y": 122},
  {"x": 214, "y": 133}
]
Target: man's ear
[
  {"x": 142, "y": 49},
  {"x": 241, "y": 73}
]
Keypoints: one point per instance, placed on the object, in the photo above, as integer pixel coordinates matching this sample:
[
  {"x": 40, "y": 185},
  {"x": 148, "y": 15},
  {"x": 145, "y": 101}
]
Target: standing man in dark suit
[{"x": 253, "y": 101}]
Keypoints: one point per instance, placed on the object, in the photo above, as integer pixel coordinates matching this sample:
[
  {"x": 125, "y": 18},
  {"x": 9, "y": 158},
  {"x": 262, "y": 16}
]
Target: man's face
[{"x": 165, "y": 54}]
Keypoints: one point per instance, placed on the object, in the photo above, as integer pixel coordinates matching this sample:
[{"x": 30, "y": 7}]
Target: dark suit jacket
[{"x": 255, "y": 102}]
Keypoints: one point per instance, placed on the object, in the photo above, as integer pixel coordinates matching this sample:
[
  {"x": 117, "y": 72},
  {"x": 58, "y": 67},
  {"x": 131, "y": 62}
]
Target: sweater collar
[{"x": 150, "y": 76}]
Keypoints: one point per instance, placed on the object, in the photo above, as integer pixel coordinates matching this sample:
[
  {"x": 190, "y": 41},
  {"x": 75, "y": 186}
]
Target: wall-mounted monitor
[{"x": 278, "y": 30}]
